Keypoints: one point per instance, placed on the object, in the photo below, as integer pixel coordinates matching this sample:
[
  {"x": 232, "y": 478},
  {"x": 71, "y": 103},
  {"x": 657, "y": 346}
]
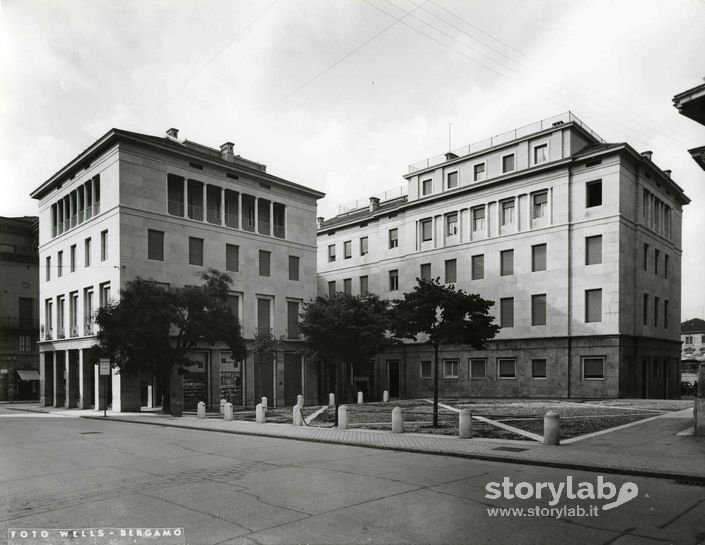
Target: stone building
[
  {"x": 166, "y": 209},
  {"x": 19, "y": 318},
  {"x": 577, "y": 241}
]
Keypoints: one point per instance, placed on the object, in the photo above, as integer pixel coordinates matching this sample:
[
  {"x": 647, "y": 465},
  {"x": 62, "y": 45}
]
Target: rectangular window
[
  {"x": 538, "y": 368},
  {"x": 645, "y": 309},
  {"x": 73, "y": 314},
  {"x": 450, "y": 368},
  {"x": 538, "y": 257},
  {"x": 452, "y": 180},
  {"x": 427, "y": 230},
  {"x": 393, "y": 238},
  {"x": 451, "y": 271},
  {"x": 331, "y": 253},
  {"x": 25, "y": 343},
  {"x": 479, "y": 172},
  {"x": 195, "y": 251},
  {"x": 26, "y": 312},
  {"x": 48, "y": 268},
  {"x": 104, "y": 293},
  {"x": 426, "y": 187},
  {"x": 88, "y": 311},
  {"x": 478, "y": 219},
  {"x": 195, "y": 199},
  {"x": 657, "y": 255},
  {"x": 234, "y": 305},
  {"x": 426, "y": 369},
  {"x": 657, "y": 301},
  {"x": 665, "y": 265},
  {"x": 507, "y": 213},
  {"x": 104, "y": 245},
  {"x": 478, "y": 267},
  {"x": 347, "y": 286},
  {"x": 60, "y": 264},
  {"x": 593, "y": 368},
  {"x": 87, "y": 252},
  {"x": 539, "y": 207},
  {"x": 593, "y": 194},
  {"x": 593, "y": 305},
  {"x": 478, "y": 368},
  {"x": 506, "y": 262},
  {"x": 175, "y": 195},
  {"x": 688, "y": 339},
  {"x": 506, "y": 312},
  {"x": 364, "y": 241},
  {"x": 49, "y": 318},
  {"x": 665, "y": 313},
  {"x": 452, "y": 224},
  {"x": 155, "y": 245},
  {"x": 72, "y": 255},
  {"x": 264, "y": 320},
  {"x": 294, "y": 267},
  {"x": 347, "y": 249},
  {"x": 538, "y": 309},
  {"x": 264, "y": 262},
  {"x": 593, "y": 250},
  {"x": 331, "y": 288},
  {"x": 425, "y": 273},
  {"x": 292, "y": 320},
  {"x": 232, "y": 258},
  {"x": 540, "y": 153},
  {"x": 508, "y": 163},
  {"x": 646, "y": 257},
  {"x": 393, "y": 280},
  {"x": 60, "y": 307},
  {"x": 364, "y": 286},
  {"x": 507, "y": 368}
]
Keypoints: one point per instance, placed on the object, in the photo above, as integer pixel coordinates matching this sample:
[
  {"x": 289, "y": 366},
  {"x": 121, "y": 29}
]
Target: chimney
[
  {"x": 374, "y": 204},
  {"x": 174, "y": 133},
  {"x": 320, "y": 221},
  {"x": 667, "y": 173},
  {"x": 227, "y": 151},
  {"x": 647, "y": 154}
]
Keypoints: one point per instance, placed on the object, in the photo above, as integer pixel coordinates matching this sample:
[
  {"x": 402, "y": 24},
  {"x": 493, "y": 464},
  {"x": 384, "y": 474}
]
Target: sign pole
[{"x": 104, "y": 371}]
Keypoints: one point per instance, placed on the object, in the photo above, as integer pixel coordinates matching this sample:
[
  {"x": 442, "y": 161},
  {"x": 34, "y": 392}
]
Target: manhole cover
[{"x": 511, "y": 449}]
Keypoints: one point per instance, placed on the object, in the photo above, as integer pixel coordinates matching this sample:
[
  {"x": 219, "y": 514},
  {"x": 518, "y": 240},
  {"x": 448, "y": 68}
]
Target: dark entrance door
[
  {"x": 393, "y": 377},
  {"x": 195, "y": 381},
  {"x": 293, "y": 385},
  {"x": 265, "y": 374}
]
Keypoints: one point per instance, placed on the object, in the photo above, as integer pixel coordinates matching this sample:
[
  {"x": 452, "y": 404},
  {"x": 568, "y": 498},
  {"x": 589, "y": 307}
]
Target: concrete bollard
[
  {"x": 465, "y": 424},
  {"x": 385, "y": 396},
  {"x": 300, "y": 401},
  {"x": 343, "y": 417},
  {"x": 222, "y": 405},
  {"x": 201, "y": 409},
  {"x": 331, "y": 400},
  {"x": 298, "y": 418},
  {"x": 259, "y": 413},
  {"x": 228, "y": 411},
  {"x": 551, "y": 429},
  {"x": 264, "y": 402},
  {"x": 397, "y": 420},
  {"x": 360, "y": 397}
]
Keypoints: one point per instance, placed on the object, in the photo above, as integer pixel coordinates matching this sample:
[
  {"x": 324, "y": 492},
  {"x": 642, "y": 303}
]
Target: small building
[
  {"x": 19, "y": 317},
  {"x": 576, "y": 240},
  {"x": 166, "y": 209},
  {"x": 693, "y": 347}
]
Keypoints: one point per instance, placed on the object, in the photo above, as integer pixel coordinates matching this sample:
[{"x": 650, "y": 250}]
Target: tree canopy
[
  {"x": 153, "y": 327},
  {"x": 446, "y": 316}
]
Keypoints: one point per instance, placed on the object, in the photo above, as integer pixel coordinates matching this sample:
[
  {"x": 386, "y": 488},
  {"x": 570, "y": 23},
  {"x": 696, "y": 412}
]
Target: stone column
[
  {"x": 83, "y": 383},
  {"x": 46, "y": 379},
  {"x": 59, "y": 392}
]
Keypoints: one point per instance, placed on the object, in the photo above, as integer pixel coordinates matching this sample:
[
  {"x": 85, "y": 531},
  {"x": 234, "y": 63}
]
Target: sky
[{"x": 342, "y": 95}]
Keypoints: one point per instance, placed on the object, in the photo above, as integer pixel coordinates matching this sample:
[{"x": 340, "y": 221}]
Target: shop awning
[{"x": 28, "y": 374}]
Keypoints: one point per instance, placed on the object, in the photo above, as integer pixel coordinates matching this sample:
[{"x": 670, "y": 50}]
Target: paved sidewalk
[{"x": 650, "y": 448}]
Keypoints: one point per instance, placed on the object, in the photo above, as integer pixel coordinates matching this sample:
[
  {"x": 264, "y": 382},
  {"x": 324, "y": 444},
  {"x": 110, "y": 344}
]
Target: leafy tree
[
  {"x": 345, "y": 329},
  {"x": 446, "y": 316},
  {"x": 154, "y": 327}
]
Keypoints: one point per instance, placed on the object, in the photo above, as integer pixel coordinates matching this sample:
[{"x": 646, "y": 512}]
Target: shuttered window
[
  {"x": 538, "y": 309},
  {"x": 292, "y": 320},
  {"x": 478, "y": 267},
  {"x": 593, "y": 250},
  {"x": 155, "y": 245},
  {"x": 426, "y": 271},
  {"x": 195, "y": 251},
  {"x": 264, "y": 262},
  {"x": 506, "y": 311},
  {"x": 263, "y": 315},
  {"x": 478, "y": 368},
  {"x": 232, "y": 257},
  {"x": 506, "y": 262},
  {"x": 451, "y": 271},
  {"x": 538, "y": 257},
  {"x": 594, "y": 368},
  {"x": 593, "y": 305}
]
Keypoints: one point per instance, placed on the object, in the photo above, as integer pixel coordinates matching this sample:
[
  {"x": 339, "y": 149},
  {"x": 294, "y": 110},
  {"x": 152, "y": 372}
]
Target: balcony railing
[
  {"x": 263, "y": 227},
  {"x": 248, "y": 224},
  {"x": 279, "y": 231},
  {"x": 88, "y": 328},
  {"x": 232, "y": 220},
  {"x": 74, "y": 331},
  {"x": 175, "y": 208},
  {"x": 96, "y": 208},
  {"x": 195, "y": 212},
  {"x": 49, "y": 335},
  {"x": 60, "y": 333},
  {"x": 74, "y": 218},
  {"x": 213, "y": 216},
  {"x": 89, "y": 212}
]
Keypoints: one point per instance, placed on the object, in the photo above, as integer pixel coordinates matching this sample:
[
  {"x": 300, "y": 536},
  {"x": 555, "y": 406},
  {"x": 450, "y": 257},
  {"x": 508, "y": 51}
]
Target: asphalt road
[{"x": 58, "y": 472}]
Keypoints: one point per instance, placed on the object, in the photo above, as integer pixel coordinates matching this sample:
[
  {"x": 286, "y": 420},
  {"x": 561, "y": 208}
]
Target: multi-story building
[
  {"x": 691, "y": 103},
  {"x": 165, "y": 209},
  {"x": 577, "y": 241},
  {"x": 693, "y": 339},
  {"x": 19, "y": 318}
]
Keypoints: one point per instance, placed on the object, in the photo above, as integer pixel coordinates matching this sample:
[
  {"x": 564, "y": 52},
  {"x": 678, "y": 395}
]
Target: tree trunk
[{"x": 435, "y": 385}]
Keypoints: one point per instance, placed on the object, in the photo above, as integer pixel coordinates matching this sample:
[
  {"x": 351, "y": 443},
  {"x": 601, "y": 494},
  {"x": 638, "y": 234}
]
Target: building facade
[
  {"x": 577, "y": 241},
  {"x": 691, "y": 104},
  {"x": 166, "y": 209},
  {"x": 19, "y": 317}
]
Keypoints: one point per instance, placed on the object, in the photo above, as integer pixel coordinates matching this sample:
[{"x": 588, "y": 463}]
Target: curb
[{"x": 472, "y": 456}]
